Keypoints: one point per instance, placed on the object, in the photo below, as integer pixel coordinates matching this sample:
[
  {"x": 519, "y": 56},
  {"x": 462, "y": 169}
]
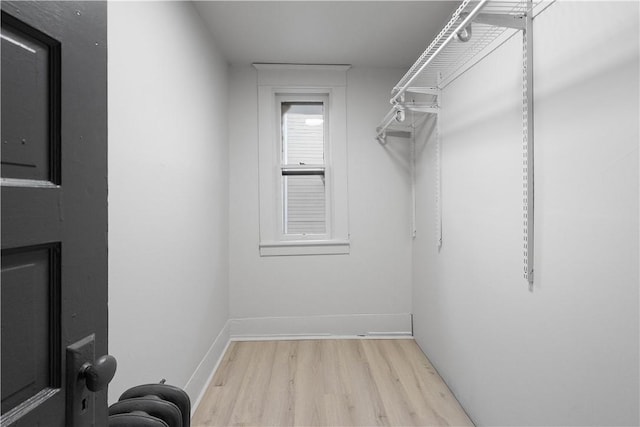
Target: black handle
[{"x": 100, "y": 373}]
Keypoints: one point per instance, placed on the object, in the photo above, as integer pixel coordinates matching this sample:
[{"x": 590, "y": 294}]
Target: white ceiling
[{"x": 360, "y": 33}]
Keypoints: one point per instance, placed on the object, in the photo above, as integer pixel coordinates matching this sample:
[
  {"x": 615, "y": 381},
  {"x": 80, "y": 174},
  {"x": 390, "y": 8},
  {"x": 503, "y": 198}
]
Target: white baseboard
[
  {"x": 199, "y": 381},
  {"x": 322, "y": 337},
  {"x": 331, "y": 326}
]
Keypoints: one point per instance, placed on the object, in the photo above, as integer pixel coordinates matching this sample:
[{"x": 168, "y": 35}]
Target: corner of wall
[{"x": 197, "y": 385}]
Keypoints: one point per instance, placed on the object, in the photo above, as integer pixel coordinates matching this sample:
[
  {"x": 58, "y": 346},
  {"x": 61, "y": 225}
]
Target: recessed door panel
[
  {"x": 30, "y": 292},
  {"x": 30, "y": 83}
]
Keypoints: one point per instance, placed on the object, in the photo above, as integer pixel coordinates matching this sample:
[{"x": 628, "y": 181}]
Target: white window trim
[{"x": 287, "y": 79}]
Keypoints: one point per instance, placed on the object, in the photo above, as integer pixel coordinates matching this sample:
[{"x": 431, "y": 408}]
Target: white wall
[
  {"x": 168, "y": 192},
  {"x": 567, "y": 353},
  {"x": 375, "y": 278}
]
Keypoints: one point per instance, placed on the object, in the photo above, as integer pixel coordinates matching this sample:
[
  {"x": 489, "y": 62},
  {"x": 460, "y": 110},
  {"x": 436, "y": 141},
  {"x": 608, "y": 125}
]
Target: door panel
[
  {"x": 28, "y": 59},
  {"x": 35, "y": 211},
  {"x": 30, "y": 298},
  {"x": 54, "y": 207}
]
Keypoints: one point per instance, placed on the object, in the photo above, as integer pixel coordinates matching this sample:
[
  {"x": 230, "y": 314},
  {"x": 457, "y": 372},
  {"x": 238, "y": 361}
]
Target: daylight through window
[{"x": 303, "y": 145}]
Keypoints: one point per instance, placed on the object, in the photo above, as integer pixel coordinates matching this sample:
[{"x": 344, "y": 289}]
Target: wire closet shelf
[{"x": 473, "y": 28}]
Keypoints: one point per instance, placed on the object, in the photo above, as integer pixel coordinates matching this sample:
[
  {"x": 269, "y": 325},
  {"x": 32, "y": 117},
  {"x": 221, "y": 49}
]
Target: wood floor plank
[
  {"x": 387, "y": 383},
  {"x": 279, "y": 404},
  {"x": 367, "y": 406},
  {"x": 328, "y": 383}
]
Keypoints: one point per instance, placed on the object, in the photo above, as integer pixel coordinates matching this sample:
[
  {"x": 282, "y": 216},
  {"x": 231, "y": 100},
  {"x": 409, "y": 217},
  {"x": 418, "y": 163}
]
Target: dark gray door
[{"x": 54, "y": 210}]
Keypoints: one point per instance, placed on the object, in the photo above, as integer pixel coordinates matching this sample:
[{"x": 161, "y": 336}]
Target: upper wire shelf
[{"x": 473, "y": 28}]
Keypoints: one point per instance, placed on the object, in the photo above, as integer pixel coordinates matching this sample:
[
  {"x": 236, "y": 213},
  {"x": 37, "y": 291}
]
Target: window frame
[{"x": 276, "y": 80}]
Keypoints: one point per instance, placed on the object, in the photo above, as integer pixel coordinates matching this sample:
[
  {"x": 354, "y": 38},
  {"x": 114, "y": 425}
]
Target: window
[
  {"x": 302, "y": 150},
  {"x": 303, "y": 146}
]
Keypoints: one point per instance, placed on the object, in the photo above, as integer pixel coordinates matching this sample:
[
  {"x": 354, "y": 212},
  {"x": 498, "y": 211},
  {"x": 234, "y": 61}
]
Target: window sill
[{"x": 309, "y": 247}]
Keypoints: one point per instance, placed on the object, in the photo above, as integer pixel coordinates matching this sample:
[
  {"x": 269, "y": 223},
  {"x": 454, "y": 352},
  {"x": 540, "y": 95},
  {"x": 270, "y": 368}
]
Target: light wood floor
[{"x": 328, "y": 383}]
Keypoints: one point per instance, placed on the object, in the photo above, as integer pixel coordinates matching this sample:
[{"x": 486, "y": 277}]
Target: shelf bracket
[
  {"x": 421, "y": 107},
  {"x": 397, "y": 115},
  {"x": 424, "y": 90},
  {"x": 398, "y": 133},
  {"x": 517, "y": 22}
]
